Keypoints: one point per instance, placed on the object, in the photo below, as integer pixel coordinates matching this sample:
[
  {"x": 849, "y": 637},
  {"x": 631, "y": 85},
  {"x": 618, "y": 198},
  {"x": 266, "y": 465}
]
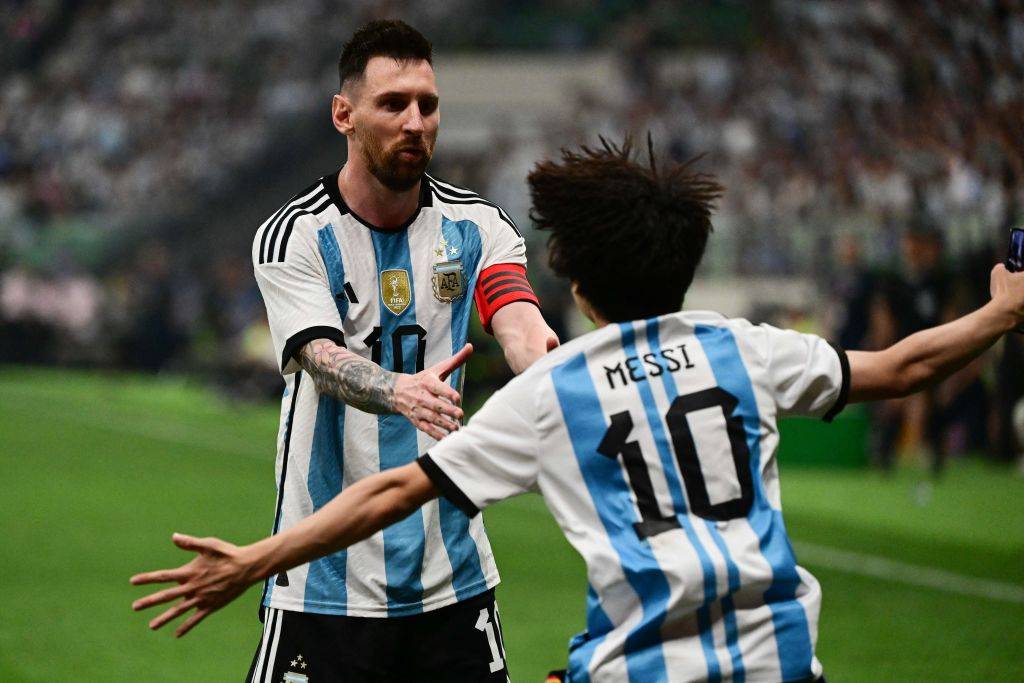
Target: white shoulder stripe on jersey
[
  {"x": 452, "y": 195},
  {"x": 301, "y": 197},
  {"x": 449, "y": 188},
  {"x": 265, "y": 229},
  {"x": 272, "y": 226},
  {"x": 312, "y": 205},
  {"x": 456, "y": 192},
  {"x": 283, "y": 228}
]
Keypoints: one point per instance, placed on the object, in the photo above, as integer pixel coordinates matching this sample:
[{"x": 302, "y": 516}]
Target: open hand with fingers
[
  {"x": 427, "y": 401},
  {"x": 217, "y": 575}
]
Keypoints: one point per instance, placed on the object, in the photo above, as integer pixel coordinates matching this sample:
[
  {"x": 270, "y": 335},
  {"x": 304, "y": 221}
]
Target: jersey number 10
[
  {"x": 652, "y": 522},
  {"x": 398, "y": 362}
]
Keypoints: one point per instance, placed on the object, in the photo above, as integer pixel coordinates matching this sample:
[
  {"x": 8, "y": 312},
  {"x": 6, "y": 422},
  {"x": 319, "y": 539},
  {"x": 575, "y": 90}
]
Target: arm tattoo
[{"x": 338, "y": 372}]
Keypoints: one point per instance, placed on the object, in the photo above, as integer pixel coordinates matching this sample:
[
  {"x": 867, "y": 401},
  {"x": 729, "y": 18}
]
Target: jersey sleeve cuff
[
  {"x": 303, "y": 337},
  {"x": 447, "y": 487},
  {"x": 844, "y": 389}
]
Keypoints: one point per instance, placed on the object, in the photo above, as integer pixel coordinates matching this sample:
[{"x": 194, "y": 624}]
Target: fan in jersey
[
  {"x": 369, "y": 277},
  {"x": 652, "y": 439}
]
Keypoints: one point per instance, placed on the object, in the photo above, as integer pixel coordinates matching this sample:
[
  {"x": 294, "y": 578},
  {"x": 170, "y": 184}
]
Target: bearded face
[
  {"x": 399, "y": 166},
  {"x": 391, "y": 117}
]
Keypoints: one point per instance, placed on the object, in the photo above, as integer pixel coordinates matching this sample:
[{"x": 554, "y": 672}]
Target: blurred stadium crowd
[{"x": 874, "y": 148}]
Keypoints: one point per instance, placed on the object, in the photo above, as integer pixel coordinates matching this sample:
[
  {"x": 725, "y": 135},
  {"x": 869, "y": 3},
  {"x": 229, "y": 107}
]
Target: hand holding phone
[
  {"x": 1015, "y": 253},
  {"x": 1015, "y": 256}
]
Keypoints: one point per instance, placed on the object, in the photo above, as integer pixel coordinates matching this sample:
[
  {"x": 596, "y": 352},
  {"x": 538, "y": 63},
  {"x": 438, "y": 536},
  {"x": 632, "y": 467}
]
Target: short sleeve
[
  {"x": 503, "y": 242},
  {"x": 806, "y": 375},
  {"x": 296, "y": 292},
  {"x": 492, "y": 458},
  {"x": 503, "y": 268}
]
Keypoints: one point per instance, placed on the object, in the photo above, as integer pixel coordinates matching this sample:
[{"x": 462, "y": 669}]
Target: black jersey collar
[{"x": 330, "y": 182}]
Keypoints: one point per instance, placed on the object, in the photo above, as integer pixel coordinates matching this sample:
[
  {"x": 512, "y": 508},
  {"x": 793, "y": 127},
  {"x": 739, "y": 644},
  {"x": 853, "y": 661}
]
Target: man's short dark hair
[
  {"x": 382, "y": 38},
  {"x": 630, "y": 235}
]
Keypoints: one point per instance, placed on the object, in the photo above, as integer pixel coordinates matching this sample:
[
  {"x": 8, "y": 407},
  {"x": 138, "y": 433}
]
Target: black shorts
[{"x": 460, "y": 642}]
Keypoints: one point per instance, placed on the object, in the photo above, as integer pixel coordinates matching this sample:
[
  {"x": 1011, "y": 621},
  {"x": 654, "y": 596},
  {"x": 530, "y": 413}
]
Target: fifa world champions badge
[{"x": 395, "y": 290}]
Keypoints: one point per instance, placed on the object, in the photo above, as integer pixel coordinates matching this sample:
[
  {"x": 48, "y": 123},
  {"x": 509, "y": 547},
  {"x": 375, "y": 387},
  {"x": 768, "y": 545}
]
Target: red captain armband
[{"x": 498, "y": 286}]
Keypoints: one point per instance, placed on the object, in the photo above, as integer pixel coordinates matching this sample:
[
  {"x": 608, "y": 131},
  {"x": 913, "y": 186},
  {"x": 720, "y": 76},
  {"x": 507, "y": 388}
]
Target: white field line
[
  {"x": 876, "y": 567},
  {"x": 910, "y": 574}
]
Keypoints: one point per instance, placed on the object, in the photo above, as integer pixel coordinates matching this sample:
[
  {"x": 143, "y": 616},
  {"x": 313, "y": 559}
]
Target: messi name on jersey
[{"x": 652, "y": 364}]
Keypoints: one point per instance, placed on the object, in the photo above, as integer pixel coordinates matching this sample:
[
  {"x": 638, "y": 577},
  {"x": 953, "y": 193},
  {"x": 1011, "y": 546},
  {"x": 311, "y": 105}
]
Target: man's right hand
[
  {"x": 427, "y": 401},
  {"x": 1007, "y": 290}
]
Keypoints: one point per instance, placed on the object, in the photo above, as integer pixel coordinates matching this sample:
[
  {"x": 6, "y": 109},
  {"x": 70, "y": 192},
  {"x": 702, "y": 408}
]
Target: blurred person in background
[
  {"x": 852, "y": 286},
  {"x": 240, "y": 348},
  {"x": 368, "y": 276},
  {"x": 915, "y": 298},
  {"x": 152, "y": 339}
]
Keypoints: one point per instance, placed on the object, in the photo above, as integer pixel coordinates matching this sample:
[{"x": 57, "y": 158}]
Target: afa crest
[
  {"x": 395, "y": 290},
  {"x": 449, "y": 281}
]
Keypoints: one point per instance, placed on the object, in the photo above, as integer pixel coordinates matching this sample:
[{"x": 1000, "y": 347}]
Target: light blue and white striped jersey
[
  {"x": 403, "y": 299},
  {"x": 653, "y": 444}
]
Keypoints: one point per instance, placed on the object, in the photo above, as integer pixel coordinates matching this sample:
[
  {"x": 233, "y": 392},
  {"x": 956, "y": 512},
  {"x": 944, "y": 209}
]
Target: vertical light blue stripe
[
  {"x": 792, "y": 635},
  {"x": 661, "y": 441},
  {"x": 463, "y": 243},
  {"x": 728, "y": 609},
  {"x": 325, "y": 581},
  {"x": 582, "y": 645},
  {"x": 404, "y": 541},
  {"x": 331, "y": 254},
  {"x": 465, "y": 237},
  {"x": 597, "y": 620},
  {"x": 586, "y": 423}
]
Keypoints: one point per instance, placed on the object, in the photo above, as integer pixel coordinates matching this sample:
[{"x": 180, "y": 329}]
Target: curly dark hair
[
  {"x": 381, "y": 38},
  {"x": 628, "y": 234}
]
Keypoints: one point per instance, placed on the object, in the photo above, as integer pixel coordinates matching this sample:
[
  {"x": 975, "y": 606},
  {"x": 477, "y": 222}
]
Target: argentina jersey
[
  {"x": 654, "y": 446},
  {"x": 402, "y": 298}
]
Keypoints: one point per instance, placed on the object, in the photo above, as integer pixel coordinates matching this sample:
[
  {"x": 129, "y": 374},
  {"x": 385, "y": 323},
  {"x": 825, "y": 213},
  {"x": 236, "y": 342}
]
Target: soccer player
[
  {"x": 369, "y": 277},
  {"x": 652, "y": 439}
]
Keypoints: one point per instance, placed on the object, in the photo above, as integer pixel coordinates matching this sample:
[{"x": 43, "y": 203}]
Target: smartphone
[{"x": 1015, "y": 256}]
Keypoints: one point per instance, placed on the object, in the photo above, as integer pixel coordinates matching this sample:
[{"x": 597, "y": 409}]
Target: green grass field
[{"x": 99, "y": 470}]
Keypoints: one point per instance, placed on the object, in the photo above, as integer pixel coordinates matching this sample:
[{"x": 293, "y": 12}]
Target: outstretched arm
[
  {"x": 524, "y": 336},
  {"x": 424, "y": 398},
  {"x": 221, "y": 571},
  {"x": 933, "y": 354}
]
